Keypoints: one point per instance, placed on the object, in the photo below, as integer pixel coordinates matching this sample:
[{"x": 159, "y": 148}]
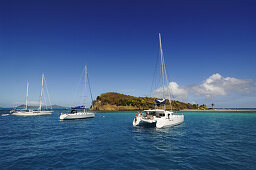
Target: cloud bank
[{"x": 215, "y": 85}]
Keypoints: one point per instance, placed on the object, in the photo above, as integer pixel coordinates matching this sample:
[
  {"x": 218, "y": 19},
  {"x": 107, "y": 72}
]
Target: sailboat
[
  {"x": 32, "y": 112},
  {"x": 159, "y": 117},
  {"x": 25, "y": 111},
  {"x": 78, "y": 115},
  {"x": 40, "y": 111}
]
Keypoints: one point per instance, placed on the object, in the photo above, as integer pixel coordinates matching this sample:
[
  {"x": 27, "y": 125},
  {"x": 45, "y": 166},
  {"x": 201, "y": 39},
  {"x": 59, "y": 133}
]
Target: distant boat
[
  {"x": 32, "y": 112},
  {"x": 78, "y": 115},
  {"x": 159, "y": 117}
]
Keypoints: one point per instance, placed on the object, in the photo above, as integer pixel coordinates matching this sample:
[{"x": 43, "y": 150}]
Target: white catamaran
[
  {"x": 33, "y": 112},
  {"x": 159, "y": 117},
  {"x": 78, "y": 115}
]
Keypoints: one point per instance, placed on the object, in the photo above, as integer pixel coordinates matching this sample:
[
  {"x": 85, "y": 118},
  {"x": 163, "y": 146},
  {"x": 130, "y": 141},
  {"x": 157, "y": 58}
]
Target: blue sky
[{"x": 118, "y": 41}]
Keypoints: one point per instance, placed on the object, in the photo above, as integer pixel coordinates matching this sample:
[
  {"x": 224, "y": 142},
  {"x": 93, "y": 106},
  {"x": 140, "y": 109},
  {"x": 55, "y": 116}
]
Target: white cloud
[
  {"x": 177, "y": 92},
  {"x": 217, "y": 85}
]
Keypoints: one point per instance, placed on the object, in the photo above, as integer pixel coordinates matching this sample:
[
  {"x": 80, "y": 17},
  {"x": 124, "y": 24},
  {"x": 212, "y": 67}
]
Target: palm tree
[{"x": 212, "y": 105}]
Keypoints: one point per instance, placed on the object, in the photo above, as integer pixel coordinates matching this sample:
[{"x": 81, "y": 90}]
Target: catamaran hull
[
  {"x": 159, "y": 122},
  {"x": 138, "y": 121},
  {"x": 77, "y": 116},
  {"x": 172, "y": 121}
]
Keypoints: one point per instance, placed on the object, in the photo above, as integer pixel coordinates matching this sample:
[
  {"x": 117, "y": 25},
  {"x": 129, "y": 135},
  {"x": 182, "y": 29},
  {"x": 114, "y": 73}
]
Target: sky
[{"x": 209, "y": 49}]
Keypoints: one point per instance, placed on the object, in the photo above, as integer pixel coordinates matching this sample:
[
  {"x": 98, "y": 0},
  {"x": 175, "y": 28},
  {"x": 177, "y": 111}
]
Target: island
[{"x": 113, "y": 101}]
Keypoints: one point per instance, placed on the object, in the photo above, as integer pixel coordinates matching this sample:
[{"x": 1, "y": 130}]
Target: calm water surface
[{"x": 206, "y": 140}]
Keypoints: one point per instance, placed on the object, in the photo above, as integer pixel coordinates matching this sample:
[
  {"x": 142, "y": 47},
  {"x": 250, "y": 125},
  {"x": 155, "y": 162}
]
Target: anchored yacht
[
  {"x": 78, "y": 115},
  {"x": 159, "y": 117},
  {"x": 33, "y": 112}
]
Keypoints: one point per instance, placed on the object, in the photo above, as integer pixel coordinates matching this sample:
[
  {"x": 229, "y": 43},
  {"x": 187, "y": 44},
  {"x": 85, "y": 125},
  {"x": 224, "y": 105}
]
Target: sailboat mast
[
  {"x": 162, "y": 62},
  {"x": 40, "y": 107},
  {"x": 27, "y": 96},
  {"x": 85, "y": 71}
]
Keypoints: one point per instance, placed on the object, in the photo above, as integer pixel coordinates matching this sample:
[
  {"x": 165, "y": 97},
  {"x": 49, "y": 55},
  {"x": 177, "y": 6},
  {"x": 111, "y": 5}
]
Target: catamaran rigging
[{"x": 160, "y": 117}]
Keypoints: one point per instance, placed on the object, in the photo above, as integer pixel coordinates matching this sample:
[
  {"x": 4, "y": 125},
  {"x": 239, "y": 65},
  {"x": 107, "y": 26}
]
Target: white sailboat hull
[
  {"x": 79, "y": 115},
  {"x": 32, "y": 113},
  {"x": 43, "y": 112}
]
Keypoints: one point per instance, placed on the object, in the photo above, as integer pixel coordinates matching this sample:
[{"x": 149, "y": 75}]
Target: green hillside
[{"x": 116, "y": 101}]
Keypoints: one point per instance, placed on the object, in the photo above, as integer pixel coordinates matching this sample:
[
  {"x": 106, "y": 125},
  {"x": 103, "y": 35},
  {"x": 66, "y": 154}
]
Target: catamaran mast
[
  {"x": 40, "y": 107},
  {"x": 85, "y": 71},
  {"x": 164, "y": 74},
  {"x": 27, "y": 96},
  {"x": 162, "y": 64}
]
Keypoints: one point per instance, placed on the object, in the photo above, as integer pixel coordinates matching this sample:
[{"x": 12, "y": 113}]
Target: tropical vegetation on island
[{"x": 112, "y": 101}]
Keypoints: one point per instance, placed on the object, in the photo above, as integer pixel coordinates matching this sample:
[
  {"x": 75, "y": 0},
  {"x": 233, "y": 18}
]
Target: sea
[{"x": 206, "y": 140}]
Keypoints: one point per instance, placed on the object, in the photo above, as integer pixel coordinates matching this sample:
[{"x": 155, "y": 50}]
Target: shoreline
[
  {"x": 220, "y": 110},
  {"x": 192, "y": 110}
]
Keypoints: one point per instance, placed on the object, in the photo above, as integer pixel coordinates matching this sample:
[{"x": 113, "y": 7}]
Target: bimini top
[
  {"x": 161, "y": 102},
  {"x": 78, "y": 107}
]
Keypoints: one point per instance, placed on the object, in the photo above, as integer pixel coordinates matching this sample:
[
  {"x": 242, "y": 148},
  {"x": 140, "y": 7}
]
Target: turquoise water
[{"x": 206, "y": 140}]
